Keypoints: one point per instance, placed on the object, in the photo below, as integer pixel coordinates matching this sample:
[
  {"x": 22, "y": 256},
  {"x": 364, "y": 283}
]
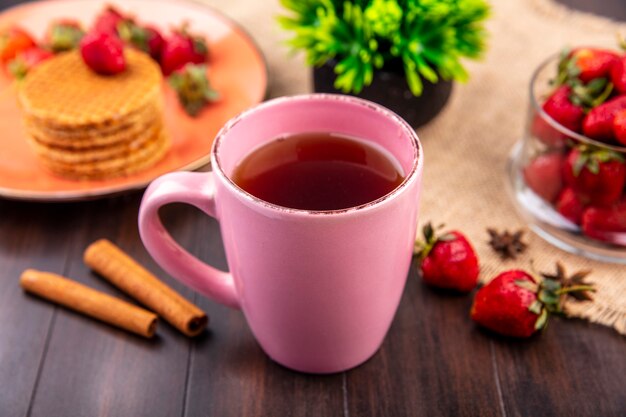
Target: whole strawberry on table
[
  {"x": 517, "y": 303},
  {"x": 447, "y": 260},
  {"x": 582, "y": 174}
]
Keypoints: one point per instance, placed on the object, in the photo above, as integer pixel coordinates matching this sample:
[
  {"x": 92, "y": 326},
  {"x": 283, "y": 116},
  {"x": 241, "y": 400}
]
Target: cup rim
[
  {"x": 553, "y": 123},
  {"x": 416, "y": 167}
]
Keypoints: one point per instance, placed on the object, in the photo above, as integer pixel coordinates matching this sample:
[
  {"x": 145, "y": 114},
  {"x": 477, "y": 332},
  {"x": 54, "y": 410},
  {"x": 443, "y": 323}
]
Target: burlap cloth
[{"x": 467, "y": 146}]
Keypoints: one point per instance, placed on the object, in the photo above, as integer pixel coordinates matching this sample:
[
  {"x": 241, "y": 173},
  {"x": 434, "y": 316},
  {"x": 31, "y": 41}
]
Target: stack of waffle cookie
[{"x": 88, "y": 126}]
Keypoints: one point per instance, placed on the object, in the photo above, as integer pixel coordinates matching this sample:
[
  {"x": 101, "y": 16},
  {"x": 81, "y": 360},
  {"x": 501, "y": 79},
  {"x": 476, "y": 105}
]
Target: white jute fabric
[{"x": 467, "y": 145}]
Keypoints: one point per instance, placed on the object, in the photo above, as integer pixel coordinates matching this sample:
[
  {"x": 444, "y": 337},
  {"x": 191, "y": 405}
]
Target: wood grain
[
  {"x": 574, "y": 369},
  {"x": 27, "y": 239},
  {"x": 92, "y": 369},
  {"x": 432, "y": 362}
]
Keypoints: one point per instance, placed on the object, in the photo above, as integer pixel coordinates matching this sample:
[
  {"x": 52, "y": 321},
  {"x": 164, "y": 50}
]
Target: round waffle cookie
[
  {"x": 65, "y": 93},
  {"x": 84, "y": 155},
  {"x": 84, "y": 125},
  {"x": 91, "y": 139},
  {"x": 120, "y": 165}
]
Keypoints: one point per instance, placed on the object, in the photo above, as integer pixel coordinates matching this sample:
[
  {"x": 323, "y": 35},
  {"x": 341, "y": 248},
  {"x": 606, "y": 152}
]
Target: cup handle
[{"x": 196, "y": 189}]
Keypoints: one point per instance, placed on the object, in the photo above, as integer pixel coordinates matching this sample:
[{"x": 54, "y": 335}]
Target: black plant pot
[{"x": 389, "y": 88}]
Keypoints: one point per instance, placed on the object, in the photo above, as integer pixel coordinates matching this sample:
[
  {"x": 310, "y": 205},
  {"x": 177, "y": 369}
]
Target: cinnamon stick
[
  {"x": 88, "y": 301},
  {"x": 129, "y": 276}
]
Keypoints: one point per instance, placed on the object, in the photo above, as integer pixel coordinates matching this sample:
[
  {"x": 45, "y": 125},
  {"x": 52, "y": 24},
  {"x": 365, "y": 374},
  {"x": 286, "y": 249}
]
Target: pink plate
[{"x": 236, "y": 69}]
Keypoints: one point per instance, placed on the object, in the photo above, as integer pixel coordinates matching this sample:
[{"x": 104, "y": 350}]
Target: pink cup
[{"x": 318, "y": 289}]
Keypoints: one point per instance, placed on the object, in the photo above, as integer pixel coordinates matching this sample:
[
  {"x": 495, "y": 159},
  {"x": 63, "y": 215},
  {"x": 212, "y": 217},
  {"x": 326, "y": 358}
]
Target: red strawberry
[
  {"x": 597, "y": 176},
  {"x": 108, "y": 21},
  {"x": 193, "y": 88},
  {"x": 448, "y": 261},
  {"x": 606, "y": 223},
  {"x": 618, "y": 75},
  {"x": 619, "y": 127},
  {"x": 560, "y": 108},
  {"x": 517, "y": 304},
  {"x": 146, "y": 39},
  {"x": 181, "y": 49},
  {"x": 27, "y": 60},
  {"x": 589, "y": 63},
  {"x": 598, "y": 124},
  {"x": 155, "y": 42},
  {"x": 64, "y": 35},
  {"x": 543, "y": 175},
  {"x": 103, "y": 53},
  {"x": 504, "y": 306},
  {"x": 569, "y": 206},
  {"x": 13, "y": 41}
]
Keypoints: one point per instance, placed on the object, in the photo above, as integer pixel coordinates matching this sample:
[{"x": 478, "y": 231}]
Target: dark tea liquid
[{"x": 318, "y": 171}]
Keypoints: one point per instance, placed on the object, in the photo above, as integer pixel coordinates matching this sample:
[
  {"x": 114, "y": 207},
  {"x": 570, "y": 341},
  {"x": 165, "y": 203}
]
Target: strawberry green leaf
[
  {"x": 580, "y": 163},
  {"x": 527, "y": 285},
  {"x": 536, "y": 307},
  {"x": 551, "y": 285},
  {"x": 548, "y": 297},
  {"x": 542, "y": 321},
  {"x": 448, "y": 237}
]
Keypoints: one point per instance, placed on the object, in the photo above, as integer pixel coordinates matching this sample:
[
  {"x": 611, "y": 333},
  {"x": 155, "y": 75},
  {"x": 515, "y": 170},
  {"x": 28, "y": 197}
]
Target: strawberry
[
  {"x": 27, "y": 60},
  {"x": 13, "y": 41},
  {"x": 596, "y": 175},
  {"x": 543, "y": 175},
  {"x": 181, "y": 49},
  {"x": 618, "y": 75},
  {"x": 560, "y": 108},
  {"x": 108, "y": 21},
  {"x": 193, "y": 88},
  {"x": 569, "y": 206},
  {"x": 447, "y": 261},
  {"x": 619, "y": 127},
  {"x": 103, "y": 53},
  {"x": 64, "y": 35},
  {"x": 587, "y": 64},
  {"x": 606, "y": 223},
  {"x": 154, "y": 42},
  {"x": 517, "y": 304},
  {"x": 598, "y": 124},
  {"x": 146, "y": 39}
]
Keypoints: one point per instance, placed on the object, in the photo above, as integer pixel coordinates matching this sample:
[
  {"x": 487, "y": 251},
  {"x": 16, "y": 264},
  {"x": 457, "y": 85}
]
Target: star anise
[
  {"x": 507, "y": 245},
  {"x": 573, "y": 286}
]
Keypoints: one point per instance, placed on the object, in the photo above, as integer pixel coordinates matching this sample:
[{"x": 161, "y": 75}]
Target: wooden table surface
[{"x": 434, "y": 361}]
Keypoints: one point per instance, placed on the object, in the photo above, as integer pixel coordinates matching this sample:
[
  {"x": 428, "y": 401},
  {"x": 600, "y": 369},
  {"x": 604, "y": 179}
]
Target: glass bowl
[{"x": 539, "y": 181}]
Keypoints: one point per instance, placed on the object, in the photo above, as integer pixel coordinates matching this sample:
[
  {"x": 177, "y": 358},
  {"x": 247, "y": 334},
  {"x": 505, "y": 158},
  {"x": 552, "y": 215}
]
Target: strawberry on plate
[
  {"x": 13, "y": 41},
  {"x": 447, "y": 261},
  {"x": 145, "y": 38},
  {"x": 182, "y": 48},
  {"x": 607, "y": 224},
  {"x": 103, "y": 52},
  {"x": 27, "y": 60},
  {"x": 64, "y": 35},
  {"x": 193, "y": 88},
  {"x": 108, "y": 21},
  {"x": 543, "y": 175},
  {"x": 596, "y": 175},
  {"x": 517, "y": 304}
]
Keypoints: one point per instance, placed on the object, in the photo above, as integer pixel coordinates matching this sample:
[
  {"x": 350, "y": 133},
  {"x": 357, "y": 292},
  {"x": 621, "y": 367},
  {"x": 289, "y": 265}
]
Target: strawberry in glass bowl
[{"x": 568, "y": 173}]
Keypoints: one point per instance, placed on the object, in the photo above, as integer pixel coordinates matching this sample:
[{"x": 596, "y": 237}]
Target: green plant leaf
[{"x": 430, "y": 36}]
